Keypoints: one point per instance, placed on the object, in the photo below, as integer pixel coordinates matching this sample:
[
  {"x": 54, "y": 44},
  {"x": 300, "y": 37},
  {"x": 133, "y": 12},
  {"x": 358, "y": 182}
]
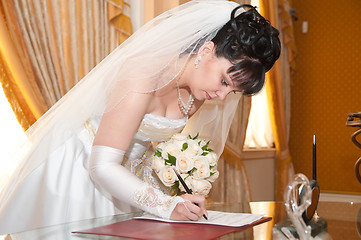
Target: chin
[{"x": 199, "y": 97}]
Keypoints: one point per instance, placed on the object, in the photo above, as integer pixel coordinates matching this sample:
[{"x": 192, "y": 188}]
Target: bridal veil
[{"x": 147, "y": 61}]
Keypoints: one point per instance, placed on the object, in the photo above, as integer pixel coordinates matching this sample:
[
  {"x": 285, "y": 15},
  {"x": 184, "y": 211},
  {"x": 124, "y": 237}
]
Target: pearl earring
[{"x": 196, "y": 62}]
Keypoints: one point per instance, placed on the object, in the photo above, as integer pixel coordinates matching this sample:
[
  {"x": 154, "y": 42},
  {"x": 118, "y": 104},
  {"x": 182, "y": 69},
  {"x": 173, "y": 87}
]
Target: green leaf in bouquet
[
  {"x": 210, "y": 167},
  {"x": 194, "y": 138},
  {"x": 190, "y": 172},
  {"x": 184, "y": 146},
  {"x": 205, "y": 146},
  {"x": 171, "y": 160},
  {"x": 212, "y": 173},
  {"x": 176, "y": 185},
  {"x": 158, "y": 153},
  {"x": 175, "y": 189},
  {"x": 204, "y": 153}
]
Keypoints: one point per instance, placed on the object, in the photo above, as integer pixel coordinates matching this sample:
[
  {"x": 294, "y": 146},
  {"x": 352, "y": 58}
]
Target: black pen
[
  {"x": 314, "y": 159},
  {"x": 187, "y": 189}
]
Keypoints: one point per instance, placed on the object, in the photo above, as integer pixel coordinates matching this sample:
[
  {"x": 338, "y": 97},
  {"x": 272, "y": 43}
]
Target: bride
[{"x": 87, "y": 156}]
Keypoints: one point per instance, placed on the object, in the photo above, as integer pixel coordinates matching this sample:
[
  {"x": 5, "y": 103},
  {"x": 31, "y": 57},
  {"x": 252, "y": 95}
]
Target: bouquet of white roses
[{"x": 191, "y": 158}]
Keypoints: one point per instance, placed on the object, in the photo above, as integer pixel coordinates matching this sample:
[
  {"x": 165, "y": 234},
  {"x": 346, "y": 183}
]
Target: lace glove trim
[
  {"x": 105, "y": 169},
  {"x": 154, "y": 201}
]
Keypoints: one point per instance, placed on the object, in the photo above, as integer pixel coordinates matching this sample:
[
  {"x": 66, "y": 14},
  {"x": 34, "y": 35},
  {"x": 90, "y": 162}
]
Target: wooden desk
[{"x": 343, "y": 222}]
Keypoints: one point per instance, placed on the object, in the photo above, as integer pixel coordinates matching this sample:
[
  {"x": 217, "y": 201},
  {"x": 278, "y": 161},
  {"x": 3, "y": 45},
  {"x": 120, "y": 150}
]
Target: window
[{"x": 259, "y": 131}]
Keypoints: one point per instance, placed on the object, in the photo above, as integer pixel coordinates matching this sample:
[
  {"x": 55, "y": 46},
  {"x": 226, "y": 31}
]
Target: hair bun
[
  {"x": 250, "y": 42},
  {"x": 255, "y": 36}
]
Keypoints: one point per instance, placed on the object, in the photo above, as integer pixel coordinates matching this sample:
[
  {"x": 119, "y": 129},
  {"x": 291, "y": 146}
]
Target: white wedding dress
[
  {"x": 52, "y": 184},
  {"x": 61, "y": 190}
]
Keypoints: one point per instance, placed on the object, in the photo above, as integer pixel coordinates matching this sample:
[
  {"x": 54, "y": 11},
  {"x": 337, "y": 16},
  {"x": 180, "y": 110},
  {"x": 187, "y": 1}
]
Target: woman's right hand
[{"x": 189, "y": 209}]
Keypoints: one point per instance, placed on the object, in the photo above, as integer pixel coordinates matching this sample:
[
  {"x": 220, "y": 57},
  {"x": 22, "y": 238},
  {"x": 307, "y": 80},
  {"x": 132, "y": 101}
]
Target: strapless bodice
[
  {"x": 153, "y": 129},
  {"x": 157, "y": 128}
]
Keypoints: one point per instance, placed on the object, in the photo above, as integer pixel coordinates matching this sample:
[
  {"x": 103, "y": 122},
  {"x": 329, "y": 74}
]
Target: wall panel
[{"x": 325, "y": 88}]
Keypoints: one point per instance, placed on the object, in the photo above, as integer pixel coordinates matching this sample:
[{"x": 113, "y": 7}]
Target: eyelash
[{"x": 224, "y": 82}]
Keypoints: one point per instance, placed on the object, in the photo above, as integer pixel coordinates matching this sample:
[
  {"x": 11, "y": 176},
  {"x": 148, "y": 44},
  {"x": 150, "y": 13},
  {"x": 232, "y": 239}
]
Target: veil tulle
[{"x": 146, "y": 62}]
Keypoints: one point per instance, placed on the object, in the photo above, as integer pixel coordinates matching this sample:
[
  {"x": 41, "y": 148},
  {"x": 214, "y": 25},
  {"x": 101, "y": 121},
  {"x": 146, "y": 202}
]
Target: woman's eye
[{"x": 224, "y": 82}]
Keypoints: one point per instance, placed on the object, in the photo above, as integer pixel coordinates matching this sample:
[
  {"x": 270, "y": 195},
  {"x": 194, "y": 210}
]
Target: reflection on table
[
  {"x": 343, "y": 218},
  {"x": 343, "y": 222}
]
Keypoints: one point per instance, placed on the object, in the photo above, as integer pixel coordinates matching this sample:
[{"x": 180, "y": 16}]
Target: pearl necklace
[{"x": 184, "y": 108}]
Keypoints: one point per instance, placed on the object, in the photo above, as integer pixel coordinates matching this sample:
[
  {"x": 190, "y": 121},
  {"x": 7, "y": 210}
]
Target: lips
[{"x": 208, "y": 96}]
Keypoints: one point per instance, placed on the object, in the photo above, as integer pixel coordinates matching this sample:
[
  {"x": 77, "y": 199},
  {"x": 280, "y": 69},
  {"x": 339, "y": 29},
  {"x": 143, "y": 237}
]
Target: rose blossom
[
  {"x": 201, "y": 187},
  {"x": 171, "y": 148},
  {"x": 167, "y": 176},
  {"x": 214, "y": 176},
  {"x": 157, "y": 163},
  {"x": 202, "y": 165},
  {"x": 184, "y": 163},
  {"x": 193, "y": 148},
  {"x": 202, "y": 142},
  {"x": 212, "y": 158}
]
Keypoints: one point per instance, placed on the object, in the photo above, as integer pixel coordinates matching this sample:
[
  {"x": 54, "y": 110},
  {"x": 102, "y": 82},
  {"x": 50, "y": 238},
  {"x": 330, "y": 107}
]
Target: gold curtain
[
  {"x": 16, "y": 71},
  {"x": 119, "y": 17},
  {"x": 47, "y": 46},
  {"x": 278, "y": 89}
]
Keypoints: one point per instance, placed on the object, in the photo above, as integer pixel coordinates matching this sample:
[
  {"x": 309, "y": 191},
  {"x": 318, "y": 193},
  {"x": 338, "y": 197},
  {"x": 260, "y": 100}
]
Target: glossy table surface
[{"x": 343, "y": 221}]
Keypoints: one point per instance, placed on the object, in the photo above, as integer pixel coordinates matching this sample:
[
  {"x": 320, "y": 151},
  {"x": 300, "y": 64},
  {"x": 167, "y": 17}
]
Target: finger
[
  {"x": 193, "y": 207},
  {"x": 192, "y": 211},
  {"x": 182, "y": 213},
  {"x": 200, "y": 200}
]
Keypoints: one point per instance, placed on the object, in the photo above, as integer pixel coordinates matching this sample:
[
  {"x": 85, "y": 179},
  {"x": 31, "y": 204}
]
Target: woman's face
[{"x": 211, "y": 80}]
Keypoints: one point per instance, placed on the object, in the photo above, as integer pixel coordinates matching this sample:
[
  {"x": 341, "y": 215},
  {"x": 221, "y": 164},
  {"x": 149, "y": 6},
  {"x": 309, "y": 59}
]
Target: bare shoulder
[{"x": 119, "y": 124}]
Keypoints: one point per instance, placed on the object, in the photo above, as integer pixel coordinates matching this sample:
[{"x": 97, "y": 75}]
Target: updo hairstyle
[{"x": 251, "y": 43}]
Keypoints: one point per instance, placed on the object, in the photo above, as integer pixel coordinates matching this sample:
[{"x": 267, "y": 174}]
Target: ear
[{"x": 207, "y": 48}]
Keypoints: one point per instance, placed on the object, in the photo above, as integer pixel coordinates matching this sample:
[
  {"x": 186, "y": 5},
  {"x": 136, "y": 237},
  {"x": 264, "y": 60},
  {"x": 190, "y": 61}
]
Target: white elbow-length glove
[{"x": 106, "y": 170}]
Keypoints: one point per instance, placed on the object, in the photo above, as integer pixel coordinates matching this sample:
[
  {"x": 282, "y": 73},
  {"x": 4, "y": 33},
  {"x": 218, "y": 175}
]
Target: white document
[{"x": 215, "y": 218}]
